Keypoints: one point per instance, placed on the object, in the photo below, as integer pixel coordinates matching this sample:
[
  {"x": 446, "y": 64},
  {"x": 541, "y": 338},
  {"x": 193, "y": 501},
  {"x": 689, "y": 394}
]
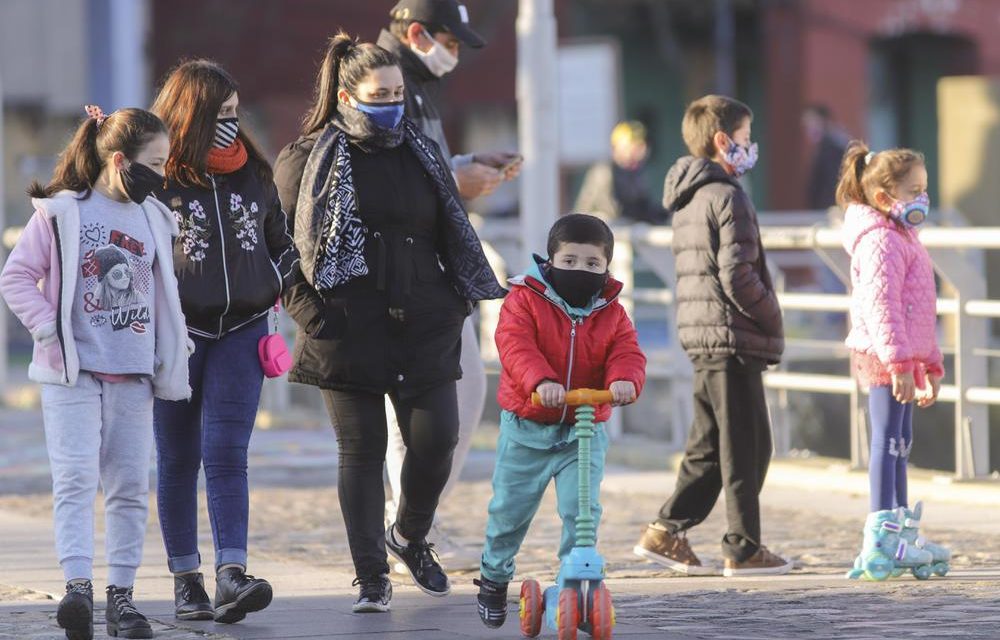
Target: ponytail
[
  {"x": 78, "y": 167},
  {"x": 345, "y": 64},
  {"x": 863, "y": 173},
  {"x": 81, "y": 162},
  {"x": 852, "y": 168}
]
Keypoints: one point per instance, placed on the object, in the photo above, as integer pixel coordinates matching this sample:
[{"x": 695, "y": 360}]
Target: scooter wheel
[
  {"x": 922, "y": 572},
  {"x": 878, "y": 566},
  {"x": 532, "y": 608},
  {"x": 602, "y": 614},
  {"x": 941, "y": 568},
  {"x": 568, "y": 616}
]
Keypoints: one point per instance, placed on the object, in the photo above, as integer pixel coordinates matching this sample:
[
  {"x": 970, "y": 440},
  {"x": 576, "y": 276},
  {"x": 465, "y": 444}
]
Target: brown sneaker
[
  {"x": 671, "y": 551},
  {"x": 762, "y": 563}
]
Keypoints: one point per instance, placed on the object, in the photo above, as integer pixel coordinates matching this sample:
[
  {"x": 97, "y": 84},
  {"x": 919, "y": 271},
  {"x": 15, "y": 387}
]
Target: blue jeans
[
  {"x": 892, "y": 439},
  {"x": 213, "y": 427},
  {"x": 520, "y": 476}
]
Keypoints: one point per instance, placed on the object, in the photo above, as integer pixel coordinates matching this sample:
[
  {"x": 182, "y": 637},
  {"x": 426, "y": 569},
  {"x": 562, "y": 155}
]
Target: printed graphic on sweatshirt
[{"x": 117, "y": 277}]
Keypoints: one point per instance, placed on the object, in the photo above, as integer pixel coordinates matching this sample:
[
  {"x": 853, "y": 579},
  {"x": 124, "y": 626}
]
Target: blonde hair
[
  {"x": 863, "y": 173},
  {"x": 629, "y": 131}
]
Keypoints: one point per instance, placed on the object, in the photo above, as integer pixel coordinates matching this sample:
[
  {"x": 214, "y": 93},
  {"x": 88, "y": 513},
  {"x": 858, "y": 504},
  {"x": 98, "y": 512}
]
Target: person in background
[
  {"x": 427, "y": 36},
  {"x": 617, "y": 190},
  {"x": 233, "y": 258},
  {"x": 829, "y": 143},
  {"x": 92, "y": 279}
]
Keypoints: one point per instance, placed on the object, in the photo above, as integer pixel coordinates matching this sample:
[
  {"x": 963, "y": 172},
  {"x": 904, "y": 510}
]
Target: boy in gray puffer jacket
[{"x": 729, "y": 323}]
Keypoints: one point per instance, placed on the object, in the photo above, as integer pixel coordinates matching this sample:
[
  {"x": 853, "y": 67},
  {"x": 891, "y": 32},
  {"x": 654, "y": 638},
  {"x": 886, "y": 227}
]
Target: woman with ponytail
[
  {"x": 92, "y": 279},
  {"x": 390, "y": 269},
  {"x": 233, "y": 258},
  {"x": 893, "y": 337}
]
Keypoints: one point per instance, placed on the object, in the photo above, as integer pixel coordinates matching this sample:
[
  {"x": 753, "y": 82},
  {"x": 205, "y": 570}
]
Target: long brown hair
[
  {"x": 345, "y": 64},
  {"x": 189, "y": 104},
  {"x": 862, "y": 176},
  {"x": 83, "y": 159}
]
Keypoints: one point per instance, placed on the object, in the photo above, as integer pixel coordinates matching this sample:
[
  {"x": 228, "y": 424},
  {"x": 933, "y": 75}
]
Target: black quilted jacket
[{"x": 726, "y": 303}]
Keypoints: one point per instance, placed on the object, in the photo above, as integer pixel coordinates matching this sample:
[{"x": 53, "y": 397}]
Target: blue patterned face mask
[
  {"x": 912, "y": 213},
  {"x": 740, "y": 158},
  {"x": 383, "y": 114}
]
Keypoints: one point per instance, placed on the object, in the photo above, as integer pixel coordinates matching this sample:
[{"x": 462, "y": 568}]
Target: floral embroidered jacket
[{"x": 234, "y": 254}]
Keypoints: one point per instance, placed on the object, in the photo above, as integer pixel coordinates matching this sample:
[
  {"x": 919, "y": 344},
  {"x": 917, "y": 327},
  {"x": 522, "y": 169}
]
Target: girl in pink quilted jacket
[
  {"x": 893, "y": 338},
  {"x": 92, "y": 280}
]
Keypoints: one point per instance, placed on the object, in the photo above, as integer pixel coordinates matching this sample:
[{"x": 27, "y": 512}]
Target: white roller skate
[
  {"x": 884, "y": 550},
  {"x": 910, "y": 519}
]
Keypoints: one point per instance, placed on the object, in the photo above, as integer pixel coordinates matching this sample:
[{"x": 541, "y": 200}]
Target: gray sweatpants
[{"x": 99, "y": 432}]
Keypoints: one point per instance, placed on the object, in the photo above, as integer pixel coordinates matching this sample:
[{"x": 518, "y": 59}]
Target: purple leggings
[{"x": 892, "y": 439}]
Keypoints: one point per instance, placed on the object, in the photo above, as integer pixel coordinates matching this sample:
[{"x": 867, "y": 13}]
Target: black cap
[{"x": 448, "y": 14}]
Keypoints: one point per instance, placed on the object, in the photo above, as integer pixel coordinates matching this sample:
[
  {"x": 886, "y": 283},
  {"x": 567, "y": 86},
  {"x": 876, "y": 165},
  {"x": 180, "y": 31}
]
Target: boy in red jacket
[{"x": 561, "y": 328}]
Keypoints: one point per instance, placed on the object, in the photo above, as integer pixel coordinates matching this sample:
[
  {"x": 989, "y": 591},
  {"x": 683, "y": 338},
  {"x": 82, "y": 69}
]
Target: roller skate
[
  {"x": 910, "y": 519},
  {"x": 884, "y": 550}
]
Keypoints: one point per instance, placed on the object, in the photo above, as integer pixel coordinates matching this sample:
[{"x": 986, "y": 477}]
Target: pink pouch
[{"x": 273, "y": 352}]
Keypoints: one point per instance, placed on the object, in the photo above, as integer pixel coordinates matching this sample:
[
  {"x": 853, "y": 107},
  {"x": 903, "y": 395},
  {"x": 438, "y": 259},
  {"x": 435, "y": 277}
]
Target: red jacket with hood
[{"x": 540, "y": 337}]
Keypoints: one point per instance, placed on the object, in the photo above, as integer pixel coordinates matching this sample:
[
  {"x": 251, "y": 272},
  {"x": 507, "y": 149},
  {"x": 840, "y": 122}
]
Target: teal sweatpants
[{"x": 520, "y": 478}]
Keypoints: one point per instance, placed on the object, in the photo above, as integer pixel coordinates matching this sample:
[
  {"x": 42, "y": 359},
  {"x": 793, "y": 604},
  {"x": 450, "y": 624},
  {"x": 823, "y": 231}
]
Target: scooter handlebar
[{"x": 577, "y": 397}]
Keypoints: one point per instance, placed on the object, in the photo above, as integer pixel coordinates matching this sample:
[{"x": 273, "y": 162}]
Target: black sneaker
[
  {"x": 421, "y": 562},
  {"x": 237, "y": 594},
  {"x": 191, "y": 601},
  {"x": 492, "y": 602},
  {"x": 123, "y": 619},
  {"x": 376, "y": 592},
  {"x": 76, "y": 611}
]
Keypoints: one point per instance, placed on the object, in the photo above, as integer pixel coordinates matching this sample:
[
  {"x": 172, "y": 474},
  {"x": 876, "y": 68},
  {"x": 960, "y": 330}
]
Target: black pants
[
  {"x": 429, "y": 426},
  {"x": 729, "y": 448}
]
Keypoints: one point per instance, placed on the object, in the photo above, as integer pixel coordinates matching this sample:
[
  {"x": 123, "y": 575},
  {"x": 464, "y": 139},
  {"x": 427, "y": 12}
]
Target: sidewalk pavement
[{"x": 812, "y": 513}]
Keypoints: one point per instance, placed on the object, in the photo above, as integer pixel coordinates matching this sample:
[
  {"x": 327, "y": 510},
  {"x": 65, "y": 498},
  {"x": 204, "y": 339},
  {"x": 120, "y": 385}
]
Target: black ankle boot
[
  {"x": 237, "y": 594},
  {"x": 191, "y": 602},
  {"x": 76, "y": 611},
  {"x": 492, "y": 602},
  {"x": 123, "y": 619}
]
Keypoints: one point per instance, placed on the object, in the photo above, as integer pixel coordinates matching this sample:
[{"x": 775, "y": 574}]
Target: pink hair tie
[{"x": 96, "y": 113}]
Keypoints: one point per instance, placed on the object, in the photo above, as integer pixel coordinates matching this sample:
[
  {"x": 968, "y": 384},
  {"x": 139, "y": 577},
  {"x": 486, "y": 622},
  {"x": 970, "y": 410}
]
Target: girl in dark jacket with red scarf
[
  {"x": 233, "y": 258},
  {"x": 561, "y": 328}
]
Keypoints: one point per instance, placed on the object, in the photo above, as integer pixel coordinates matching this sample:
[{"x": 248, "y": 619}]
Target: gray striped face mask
[{"x": 225, "y": 132}]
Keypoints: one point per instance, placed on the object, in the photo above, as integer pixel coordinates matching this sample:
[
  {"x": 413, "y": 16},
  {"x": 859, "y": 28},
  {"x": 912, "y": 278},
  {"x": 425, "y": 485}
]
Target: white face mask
[{"x": 439, "y": 60}]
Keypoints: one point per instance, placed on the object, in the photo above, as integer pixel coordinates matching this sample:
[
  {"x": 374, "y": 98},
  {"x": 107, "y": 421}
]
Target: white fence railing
[{"x": 958, "y": 260}]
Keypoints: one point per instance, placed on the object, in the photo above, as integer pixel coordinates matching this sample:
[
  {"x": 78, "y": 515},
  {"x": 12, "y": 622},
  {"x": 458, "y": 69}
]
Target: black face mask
[
  {"x": 139, "y": 181},
  {"x": 575, "y": 286}
]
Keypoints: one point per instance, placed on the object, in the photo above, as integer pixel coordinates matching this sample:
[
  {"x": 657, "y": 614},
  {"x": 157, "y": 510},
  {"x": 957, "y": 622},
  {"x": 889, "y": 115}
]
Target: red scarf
[{"x": 227, "y": 160}]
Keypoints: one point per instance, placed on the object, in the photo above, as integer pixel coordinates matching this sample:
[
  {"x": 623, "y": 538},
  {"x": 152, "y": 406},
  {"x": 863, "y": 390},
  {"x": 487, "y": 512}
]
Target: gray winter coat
[{"x": 726, "y": 303}]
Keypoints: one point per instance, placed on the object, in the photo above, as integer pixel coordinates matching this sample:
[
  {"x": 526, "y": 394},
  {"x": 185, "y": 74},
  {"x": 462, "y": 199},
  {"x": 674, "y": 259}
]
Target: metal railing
[{"x": 958, "y": 260}]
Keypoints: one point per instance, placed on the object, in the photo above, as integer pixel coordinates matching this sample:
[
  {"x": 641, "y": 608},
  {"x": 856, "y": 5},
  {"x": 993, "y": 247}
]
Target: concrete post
[
  {"x": 130, "y": 72},
  {"x": 537, "y": 118}
]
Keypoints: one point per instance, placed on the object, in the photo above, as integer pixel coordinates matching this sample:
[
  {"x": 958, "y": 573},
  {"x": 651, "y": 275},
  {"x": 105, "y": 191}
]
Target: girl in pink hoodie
[
  {"x": 893, "y": 335},
  {"x": 92, "y": 279}
]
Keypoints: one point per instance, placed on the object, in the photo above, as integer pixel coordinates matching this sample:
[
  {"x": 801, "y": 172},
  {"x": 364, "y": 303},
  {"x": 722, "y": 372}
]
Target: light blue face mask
[{"x": 385, "y": 115}]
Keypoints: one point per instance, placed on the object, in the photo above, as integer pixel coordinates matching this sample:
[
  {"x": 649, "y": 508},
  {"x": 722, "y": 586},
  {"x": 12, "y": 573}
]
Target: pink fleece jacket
[
  {"x": 38, "y": 283},
  {"x": 894, "y": 299}
]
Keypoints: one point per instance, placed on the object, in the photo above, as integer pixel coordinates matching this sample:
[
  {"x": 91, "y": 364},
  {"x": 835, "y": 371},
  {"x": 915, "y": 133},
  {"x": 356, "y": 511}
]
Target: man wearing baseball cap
[{"x": 427, "y": 37}]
